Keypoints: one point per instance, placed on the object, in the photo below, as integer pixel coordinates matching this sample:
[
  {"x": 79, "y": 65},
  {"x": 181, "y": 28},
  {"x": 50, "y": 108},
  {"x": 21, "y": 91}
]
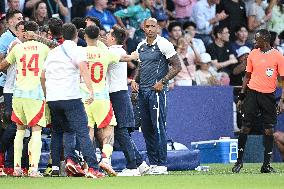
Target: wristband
[{"x": 241, "y": 96}]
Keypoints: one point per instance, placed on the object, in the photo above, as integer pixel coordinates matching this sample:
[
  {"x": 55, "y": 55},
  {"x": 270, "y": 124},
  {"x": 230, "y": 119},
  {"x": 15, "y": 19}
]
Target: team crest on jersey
[{"x": 269, "y": 72}]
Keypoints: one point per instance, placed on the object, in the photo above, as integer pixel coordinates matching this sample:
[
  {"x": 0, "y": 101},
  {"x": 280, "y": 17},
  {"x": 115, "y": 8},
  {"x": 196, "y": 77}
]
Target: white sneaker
[
  {"x": 2, "y": 173},
  {"x": 129, "y": 173},
  {"x": 143, "y": 168},
  {"x": 158, "y": 170}
]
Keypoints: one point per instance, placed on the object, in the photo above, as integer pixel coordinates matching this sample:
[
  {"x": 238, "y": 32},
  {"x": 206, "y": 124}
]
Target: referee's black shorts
[{"x": 257, "y": 102}]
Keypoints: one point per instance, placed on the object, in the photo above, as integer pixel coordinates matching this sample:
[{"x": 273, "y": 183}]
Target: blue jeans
[
  {"x": 70, "y": 117},
  {"x": 153, "y": 113}
]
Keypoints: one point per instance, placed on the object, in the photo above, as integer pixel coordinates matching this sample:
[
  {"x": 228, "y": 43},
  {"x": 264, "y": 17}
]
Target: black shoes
[
  {"x": 237, "y": 167},
  {"x": 267, "y": 169}
]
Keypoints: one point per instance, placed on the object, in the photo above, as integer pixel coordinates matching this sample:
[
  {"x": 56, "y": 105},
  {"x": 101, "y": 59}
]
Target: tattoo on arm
[
  {"x": 109, "y": 140},
  {"x": 136, "y": 76},
  {"x": 175, "y": 62}
]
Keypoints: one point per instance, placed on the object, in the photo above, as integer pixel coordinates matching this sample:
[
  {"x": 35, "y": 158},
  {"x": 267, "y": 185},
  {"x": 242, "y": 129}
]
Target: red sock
[{"x": 2, "y": 160}]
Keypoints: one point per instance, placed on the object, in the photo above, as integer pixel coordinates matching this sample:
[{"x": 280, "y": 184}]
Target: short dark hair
[
  {"x": 218, "y": 29},
  {"x": 11, "y": 12},
  {"x": 95, "y": 20},
  {"x": 21, "y": 23},
  {"x": 79, "y": 22},
  {"x": 55, "y": 26},
  {"x": 119, "y": 34},
  {"x": 31, "y": 26},
  {"x": 239, "y": 27},
  {"x": 187, "y": 24},
  {"x": 264, "y": 34},
  {"x": 273, "y": 36},
  {"x": 174, "y": 24},
  {"x": 69, "y": 31},
  {"x": 92, "y": 32}
]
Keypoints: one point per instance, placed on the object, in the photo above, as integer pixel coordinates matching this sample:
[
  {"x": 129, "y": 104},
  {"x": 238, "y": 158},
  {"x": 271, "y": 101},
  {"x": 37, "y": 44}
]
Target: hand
[
  {"x": 239, "y": 105},
  {"x": 30, "y": 35},
  {"x": 158, "y": 87},
  {"x": 134, "y": 86},
  {"x": 221, "y": 16},
  {"x": 280, "y": 107},
  {"x": 90, "y": 99},
  {"x": 267, "y": 17},
  {"x": 134, "y": 55}
]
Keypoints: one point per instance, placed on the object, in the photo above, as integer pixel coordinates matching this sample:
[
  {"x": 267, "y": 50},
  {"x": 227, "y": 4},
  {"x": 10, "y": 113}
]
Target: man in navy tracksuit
[{"x": 153, "y": 74}]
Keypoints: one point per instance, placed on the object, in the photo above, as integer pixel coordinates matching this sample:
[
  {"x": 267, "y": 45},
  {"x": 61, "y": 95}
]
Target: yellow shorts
[
  {"x": 100, "y": 112},
  {"x": 28, "y": 112}
]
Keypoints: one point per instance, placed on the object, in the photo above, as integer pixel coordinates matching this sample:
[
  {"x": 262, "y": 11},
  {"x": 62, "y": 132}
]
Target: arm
[
  {"x": 42, "y": 81},
  {"x": 134, "y": 84},
  {"x": 31, "y": 3},
  {"x": 62, "y": 9},
  {"x": 175, "y": 63},
  {"x": 239, "y": 68},
  {"x": 4, "y": 65},
  {"x": 84, "y": 72},
  {"x": 219, "y": 65},
  {"x": 245, "y": 82},
  {"x": 119, "y": 22}
]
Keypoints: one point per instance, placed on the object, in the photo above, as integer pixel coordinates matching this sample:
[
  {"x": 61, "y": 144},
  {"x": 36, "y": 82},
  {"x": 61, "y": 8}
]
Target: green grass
[{"x": 219, "y": 177}]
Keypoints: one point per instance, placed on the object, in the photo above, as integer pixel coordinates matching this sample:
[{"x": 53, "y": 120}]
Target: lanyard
[{"x": 51, "y": 8}]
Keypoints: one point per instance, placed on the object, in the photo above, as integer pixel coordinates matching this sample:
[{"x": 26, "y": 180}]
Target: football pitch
[{"x": 218, "y": 177}]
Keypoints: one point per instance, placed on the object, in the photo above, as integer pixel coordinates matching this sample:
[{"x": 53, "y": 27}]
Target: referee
[
  {"x": 264, "y": 64},
  {"x": 153, "y": 73}
]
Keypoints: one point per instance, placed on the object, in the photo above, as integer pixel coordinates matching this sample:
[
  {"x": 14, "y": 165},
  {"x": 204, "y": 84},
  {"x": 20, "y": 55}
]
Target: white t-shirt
[
  {"x": 117, "y": 73},
  {"x": 63, "y": 74},
  {"x": 11, "y": 72}
]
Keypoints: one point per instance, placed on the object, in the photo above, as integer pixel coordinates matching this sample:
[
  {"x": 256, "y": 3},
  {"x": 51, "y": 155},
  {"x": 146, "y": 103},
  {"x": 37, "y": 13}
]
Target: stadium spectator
[
  {"x": 155, "y": 54},
  {"x": 186, "y": 76},
  {"x": 175, "y": 32},
  {"x": 206, "y": 75},
  {"x": 162, "y": 19},
  {"x": 257, "y": 94},
  {"x": 196, "y": 45},
  {"x": 205, "y": 17},
  {"x": 55, "y": 30},
  {"x": 222, "y": 56},
  {"x": 276, "y": 23},
  {"x": 275, "y": 41},
  {"x": 39, "y": 14},
  {"x": 14, "y": 4},
  {"x": 55, "y": 8},
  {"x": 63, "y": 67},
  {"x": 241, "y": 35},
  {"x": 99, "y": 11},
  {"x": 183, "y": 9},
  {"x": 236, "y": 11},
  {"x": 257, "y": 19}
]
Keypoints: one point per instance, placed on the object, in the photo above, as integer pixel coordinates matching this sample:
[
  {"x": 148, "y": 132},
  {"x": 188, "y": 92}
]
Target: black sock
[
  {"x": 268, "y": 147},
  {"x": 241, "y": 146}
]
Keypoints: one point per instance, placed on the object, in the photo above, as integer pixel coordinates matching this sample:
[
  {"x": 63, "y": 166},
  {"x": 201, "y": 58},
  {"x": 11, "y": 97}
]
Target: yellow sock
[
  {"x": 35, "y": 148},
  {"x": 107, "y": 150},
  {"x": 18, "y": 147}
]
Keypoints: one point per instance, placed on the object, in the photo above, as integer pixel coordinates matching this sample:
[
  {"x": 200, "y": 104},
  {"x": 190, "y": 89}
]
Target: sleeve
[
  {"x": 11, "y": 58},
  {"x": 129, "y": 12},
  {"x": 167, "y": 48},
  {"x": 3, "y": 45},
  {"x": 113, "y": 57},
  {"x": 249, "y": 67},
  {"x": 199, "y": 18},
  {"x": 280, "y": 64},
  {"x": 182, "y": 3},
  {"x": 81, "y": 55}
]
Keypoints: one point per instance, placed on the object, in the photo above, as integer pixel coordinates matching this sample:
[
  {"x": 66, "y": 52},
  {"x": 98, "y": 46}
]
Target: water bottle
[{"x": 202, "y": 168}]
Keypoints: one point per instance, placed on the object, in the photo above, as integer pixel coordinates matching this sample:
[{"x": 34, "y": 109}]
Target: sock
[
  {"x": 29, "y": 151},
  {"x": 2, "y": 160},
  {"x": 107, "y": 150},
  {"x": 241, "y": 146},
  {"x": 35, "y": 148},
  {"x": 268, "y": 147},
  {"x": 55, "y": 168},
  {"x": 18, "y": 147}
]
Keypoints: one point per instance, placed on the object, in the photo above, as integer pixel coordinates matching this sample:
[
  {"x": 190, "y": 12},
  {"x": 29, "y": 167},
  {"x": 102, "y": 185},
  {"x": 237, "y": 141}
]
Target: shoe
[
  {"x": 158, "y": 170},
  {"x": 62, "y": 169},
  {"x": 267, "y": 169},
  {"x": 25, "y": 172},
  {"x": 129, "y": 173},
  {"x": 35, "y": 174},
  {"x": 74, "y": 168},
  {"x": 9, "y": 171},
  {"x": 18, "y": 172},
  {"x": 237, "y": 167},
  {"x": 48, "y": 171},
  {"x": 2, "y": 173},
  {"x": 105, "y": 165},
  {"x": 143, "y": 168},
  {"x": 94, "y": 173},
  {"x": 55, "y": 173}
]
